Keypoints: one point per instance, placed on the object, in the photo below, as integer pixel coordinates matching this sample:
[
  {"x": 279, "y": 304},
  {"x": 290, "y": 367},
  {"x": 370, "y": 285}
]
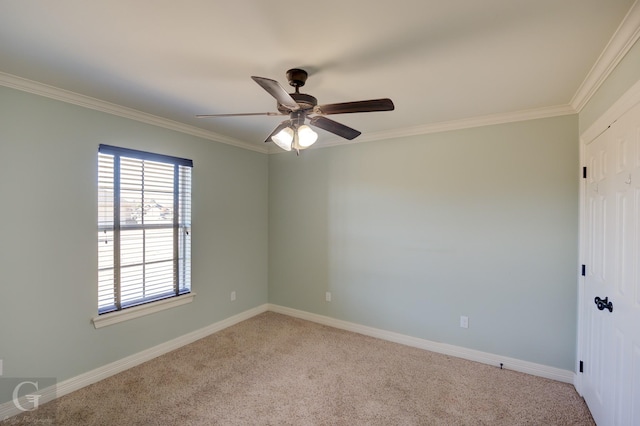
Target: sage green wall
[
  {"x": 410, "y": 234},
  {"x": 48, "y": 253},
  {"x": 625, "y": 75}
]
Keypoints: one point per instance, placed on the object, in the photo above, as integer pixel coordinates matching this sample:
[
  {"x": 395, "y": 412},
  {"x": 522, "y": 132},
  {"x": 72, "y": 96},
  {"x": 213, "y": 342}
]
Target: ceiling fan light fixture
[
  {"x": 306, "y": 136},
  {"x": 284, "y": 138}
]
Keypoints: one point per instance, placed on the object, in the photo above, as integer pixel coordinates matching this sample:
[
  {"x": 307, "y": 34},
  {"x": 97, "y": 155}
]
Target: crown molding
[
  {"x": 45, "y": 90},
  {"x": 627, "y": 101},
  {"x": 446, "y": 126},
  {"x": 619, "y": 45}
]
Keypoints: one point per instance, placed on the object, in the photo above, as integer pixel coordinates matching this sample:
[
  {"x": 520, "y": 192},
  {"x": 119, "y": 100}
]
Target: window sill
[{"x": 142, "y": 310}]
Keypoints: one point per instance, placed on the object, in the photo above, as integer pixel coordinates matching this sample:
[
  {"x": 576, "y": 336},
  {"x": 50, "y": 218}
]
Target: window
[{"x": 144, "y": 228}]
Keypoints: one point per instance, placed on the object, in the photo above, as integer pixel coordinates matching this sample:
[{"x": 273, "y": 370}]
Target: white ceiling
[{"x": 439, "y": 60}]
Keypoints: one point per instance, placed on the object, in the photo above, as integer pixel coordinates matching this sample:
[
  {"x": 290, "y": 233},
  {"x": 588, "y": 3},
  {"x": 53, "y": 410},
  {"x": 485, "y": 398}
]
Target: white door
[
  {"x": 597, "y": 356},
  {"x": 611, "y": 339}
]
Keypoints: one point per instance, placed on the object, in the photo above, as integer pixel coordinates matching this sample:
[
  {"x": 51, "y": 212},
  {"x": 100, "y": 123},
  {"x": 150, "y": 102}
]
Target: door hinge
[
  {"x": 584, "y": 270},
  {"x": 581, "y": 367},
  {"x": 584, "y": 172}
]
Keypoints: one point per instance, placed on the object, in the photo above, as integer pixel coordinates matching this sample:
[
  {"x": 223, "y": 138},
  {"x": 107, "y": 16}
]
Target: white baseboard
[
  {"x": 9, "y": 409},
  {"x": 534, "y": 369}
]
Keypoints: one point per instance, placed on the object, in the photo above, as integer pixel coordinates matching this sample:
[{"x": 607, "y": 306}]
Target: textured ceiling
[{"x": 439, "y": 60}]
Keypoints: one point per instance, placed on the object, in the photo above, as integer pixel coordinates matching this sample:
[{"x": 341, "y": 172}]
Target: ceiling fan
[{"x": 294, "y": 133}]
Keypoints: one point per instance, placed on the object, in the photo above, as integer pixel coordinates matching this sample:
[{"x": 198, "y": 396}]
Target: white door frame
[{"x": 627, "y": 101}]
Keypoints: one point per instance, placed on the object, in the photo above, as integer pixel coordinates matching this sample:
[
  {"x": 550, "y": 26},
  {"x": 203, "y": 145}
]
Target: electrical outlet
[
  {"x": 233, "y": 296},
  {"x": 464, "y": 321},
  {"x": 327, "y": 296}
]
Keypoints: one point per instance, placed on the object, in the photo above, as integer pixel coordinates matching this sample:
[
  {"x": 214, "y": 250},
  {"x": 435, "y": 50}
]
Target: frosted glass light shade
[
  {"x": 306, "y": 136},
  {"x": 284, "y": 138}
]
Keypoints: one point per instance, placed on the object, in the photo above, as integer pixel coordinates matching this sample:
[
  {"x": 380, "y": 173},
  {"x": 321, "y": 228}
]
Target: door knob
[{"x": 603, "y": 304}]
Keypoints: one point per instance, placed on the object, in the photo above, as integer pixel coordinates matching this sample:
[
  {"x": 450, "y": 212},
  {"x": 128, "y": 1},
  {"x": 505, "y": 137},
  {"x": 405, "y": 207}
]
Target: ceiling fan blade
[
  {"x": 334, "y": 127},
  {"x": 281, "y": 126},
  {"x": 277, "y": 91},
  {"x": 358, "y": 106},
  {"x": 242, "y": 114}
]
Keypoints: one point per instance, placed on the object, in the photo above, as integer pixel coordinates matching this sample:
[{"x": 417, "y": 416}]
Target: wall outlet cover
[{"x": 464, "y": 321}]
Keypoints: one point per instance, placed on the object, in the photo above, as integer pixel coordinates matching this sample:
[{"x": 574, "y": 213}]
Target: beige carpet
[{"x": 277, "y": 370}]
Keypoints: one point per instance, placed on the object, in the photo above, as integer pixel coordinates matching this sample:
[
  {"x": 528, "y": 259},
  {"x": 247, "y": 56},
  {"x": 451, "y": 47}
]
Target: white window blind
[{"x": 144, "y": 227}]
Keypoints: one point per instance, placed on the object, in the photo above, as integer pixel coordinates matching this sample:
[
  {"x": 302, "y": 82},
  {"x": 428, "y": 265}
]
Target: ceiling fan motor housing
[
  {"x": 297, "y": 78},
  {"x": 306, "y": 102}
]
